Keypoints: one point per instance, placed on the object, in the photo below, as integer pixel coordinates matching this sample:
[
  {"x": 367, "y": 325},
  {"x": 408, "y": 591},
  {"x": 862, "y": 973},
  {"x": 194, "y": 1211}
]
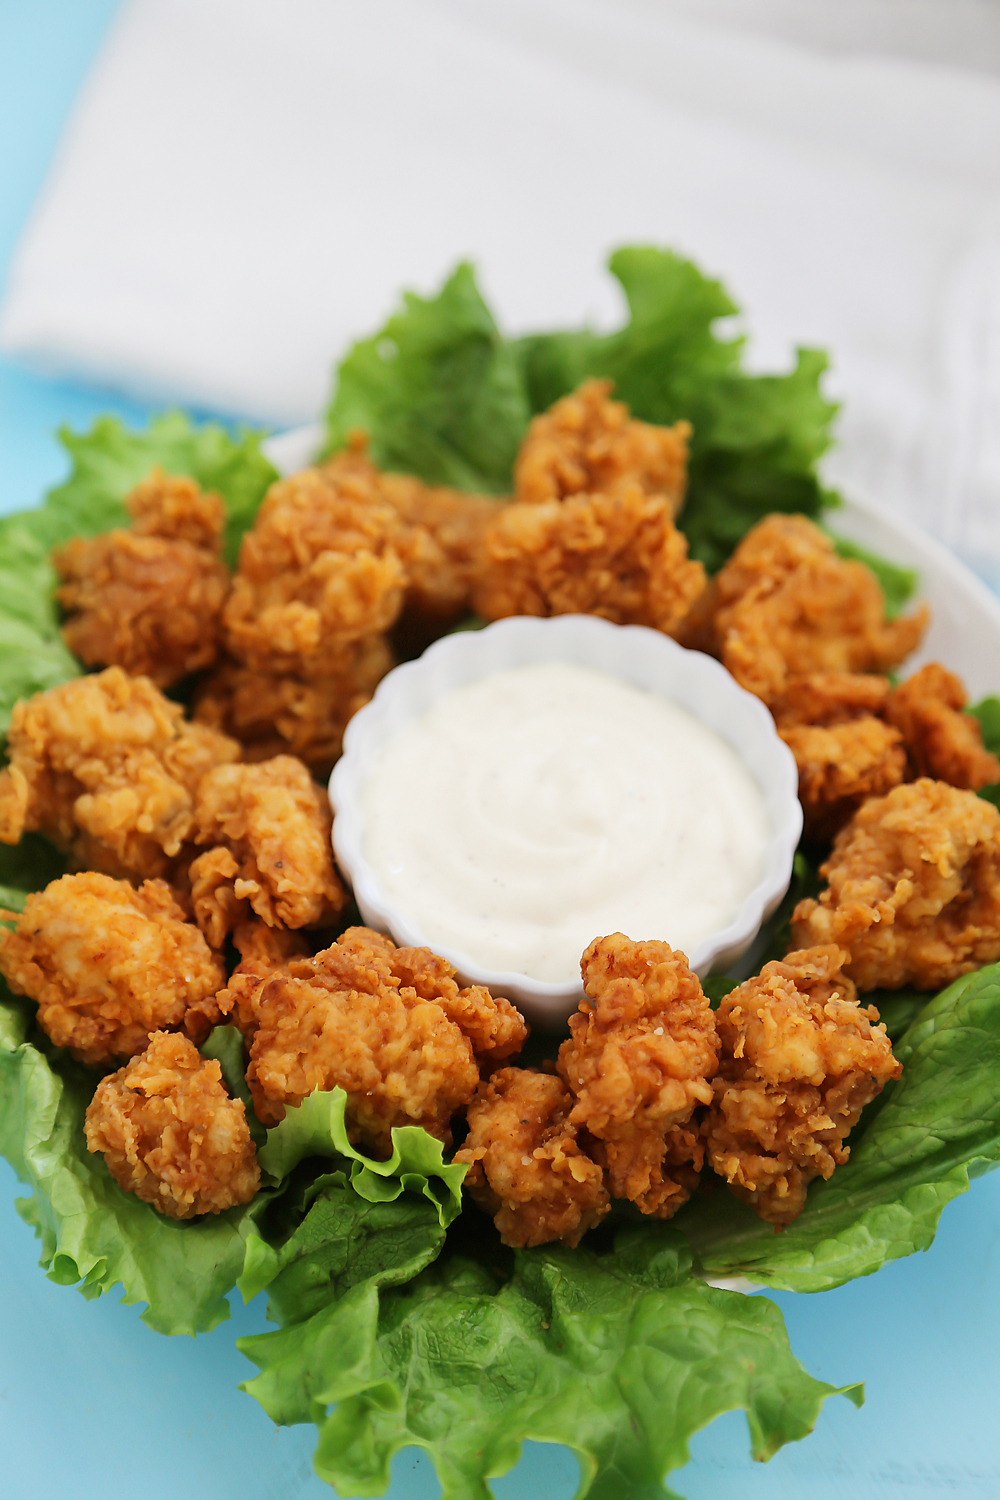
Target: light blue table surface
[{"x": 92, "y": 1403}]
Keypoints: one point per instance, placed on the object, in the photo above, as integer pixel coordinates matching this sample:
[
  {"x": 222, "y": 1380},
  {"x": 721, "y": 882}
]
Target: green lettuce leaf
[
  {"x": 622, "y": 1357},
  {"x": 443, "y": 396},
  {"x": 915, "y": 1149},
  {"x": 107, "y": 462},
  {"x": 26, "y": 867},
  {"x": 317, "y": 1127},
  {"x": 438, "y": 391}
]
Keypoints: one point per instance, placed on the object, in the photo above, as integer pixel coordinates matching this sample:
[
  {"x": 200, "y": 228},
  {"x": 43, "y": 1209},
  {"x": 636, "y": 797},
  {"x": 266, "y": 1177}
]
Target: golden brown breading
[
  {"x": 800, "y": 1060},
  {"x": 317, "y": 571},
  {"x": 843, "y": 751},
  {"x": 171, "y": 1134},
  {"x": 271, "y": 713},
  {"x": 269, "y": 828},
  {"x": 106, "y": 768},
  {"x": 149, "y": 599},
  {"x": 526, "y": 1165},
  {"x": 587, "y": 443},
  {"x": 641, "y": 1052},
  {"x": 263, "y": 952},
  {"x": 495, "y": 1028},
  {"x": 913, "y": 889},
  {"x": 941, "y": 740},
  {"x": 439, "y": 540},
  {"x": 619, "y": 556},
  {"x": 343, "y": 1019},
  {"x": 108, "y": 965},
  {"x": 785, "y": 605}
]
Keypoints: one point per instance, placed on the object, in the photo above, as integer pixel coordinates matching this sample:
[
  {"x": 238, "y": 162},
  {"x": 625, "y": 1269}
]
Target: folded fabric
[{"x": 246, "y": 185}]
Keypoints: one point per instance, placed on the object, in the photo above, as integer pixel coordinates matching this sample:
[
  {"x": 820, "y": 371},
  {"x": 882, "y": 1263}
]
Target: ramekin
[{"x": 633, "y": 654}]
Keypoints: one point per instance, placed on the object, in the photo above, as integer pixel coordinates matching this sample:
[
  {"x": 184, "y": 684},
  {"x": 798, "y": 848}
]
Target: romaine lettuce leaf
[
  {"x": 915, "y": 1149},
  {"x": 622, "y": 1357}
]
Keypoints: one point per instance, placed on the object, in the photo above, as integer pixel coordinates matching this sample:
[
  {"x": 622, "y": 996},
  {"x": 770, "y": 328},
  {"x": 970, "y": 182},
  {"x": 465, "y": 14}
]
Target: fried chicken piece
[
  {"x": 171, "y": 1134},
  {"x": 150, "y": 599},
  {"x": 642, "y": 1049},
  {"x": 913, "y": 889},
  {"x": 273, "y": 713},
  {"x": 108, "y": 965},
  {"x": 495, "y": 1028},
  {"x": 526, "y": 1166},
  {"x": 785, "y": 605},
  {"x": 439, "y": 541},
  {"x": 264, "y": 951},
  {"x": 344, "y": 1019},
  {"x": 800, "y": 1060},
  {"x": 619, "y": 556},
  {"x": 106, "y": 768},
  {"x": 587, "y": 443},
  {"x": 269, "y": 825},
  {"x": 844, "y": 751},
  {"x": 941, "y": 740},
  {"x": 317, "y": 571}
]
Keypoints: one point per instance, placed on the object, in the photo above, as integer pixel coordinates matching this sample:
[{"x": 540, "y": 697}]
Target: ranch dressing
[{"x": 524, "y": 815}]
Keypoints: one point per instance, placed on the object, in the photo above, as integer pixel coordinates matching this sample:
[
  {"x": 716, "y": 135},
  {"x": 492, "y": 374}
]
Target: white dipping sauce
[{"x": 523, "y": 816}]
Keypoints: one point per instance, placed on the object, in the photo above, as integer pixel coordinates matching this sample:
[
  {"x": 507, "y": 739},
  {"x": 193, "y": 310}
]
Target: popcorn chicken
[
  {"x": 785, "y": 606},
  {"x": 844, "y": 751},
  {"x": 171, "y": 1134},
  {"x": 616, "y": 555},
  {"x": 107, "y": 768},
  {"x": 587, "y": 443},
  {"x": 800, "y": 1060},
  {"x": 641, "y": 1053},
  {"x": 941, "y": 740},
  {"x": 318, "y": 571},
  {"x": 269, "y": 825},
  {"x": 345, "y": 1019},
  {"x": 108, "y": 965},
  {"x": 148, "y": 599},
  {"x": 527, "y": 1168},
  {"x": 913, "y": 889}
]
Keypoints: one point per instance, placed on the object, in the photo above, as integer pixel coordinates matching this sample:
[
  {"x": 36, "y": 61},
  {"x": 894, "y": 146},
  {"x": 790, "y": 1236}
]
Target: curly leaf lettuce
[
  {"x": 107, "y": 462},
  {"x": 622, "y": 1357},
  {"x": 442, "y": 395}
]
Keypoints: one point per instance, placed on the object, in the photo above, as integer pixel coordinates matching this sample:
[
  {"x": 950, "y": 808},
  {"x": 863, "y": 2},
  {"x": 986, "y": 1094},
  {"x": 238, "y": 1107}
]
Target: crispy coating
[
  {"x": 271, "y": 713},
  {"x": 587, "y": 443},
  {"x": 785, "y": 605},
  {"x": 149, "y": 599},
  {"x": 317, "y": 571},
  {"x": 913, "y": 889},
  {"x": 641, "y": 1052},
  {"x": 268, "y": 826},
  {"x": 439, "y": 541},
  {"x": 107, "y": 768},
  {"x": 495, "y": 1028},
  {"x": 263, "y": 952},
  {"x": 171, "y": 1134},
  {"x": 344, "y": 1019},
  {"x": 800, "y": 1060},
  {"x": 844, "y": 752},
  {"x": 619, "y": 556},
  {"x": 941, "y": 740},
  {"x": 526, "y": 1165},
  {"x": 108, "y": 965}
]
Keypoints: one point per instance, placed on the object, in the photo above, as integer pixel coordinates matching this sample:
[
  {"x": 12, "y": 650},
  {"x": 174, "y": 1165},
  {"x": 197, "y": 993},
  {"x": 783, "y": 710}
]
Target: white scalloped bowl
[{"x": 632, "y": 654}]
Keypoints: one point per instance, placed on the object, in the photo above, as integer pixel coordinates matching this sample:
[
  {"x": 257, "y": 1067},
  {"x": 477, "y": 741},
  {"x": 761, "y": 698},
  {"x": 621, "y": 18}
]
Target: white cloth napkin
[{"x": 246, "y": 185}]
